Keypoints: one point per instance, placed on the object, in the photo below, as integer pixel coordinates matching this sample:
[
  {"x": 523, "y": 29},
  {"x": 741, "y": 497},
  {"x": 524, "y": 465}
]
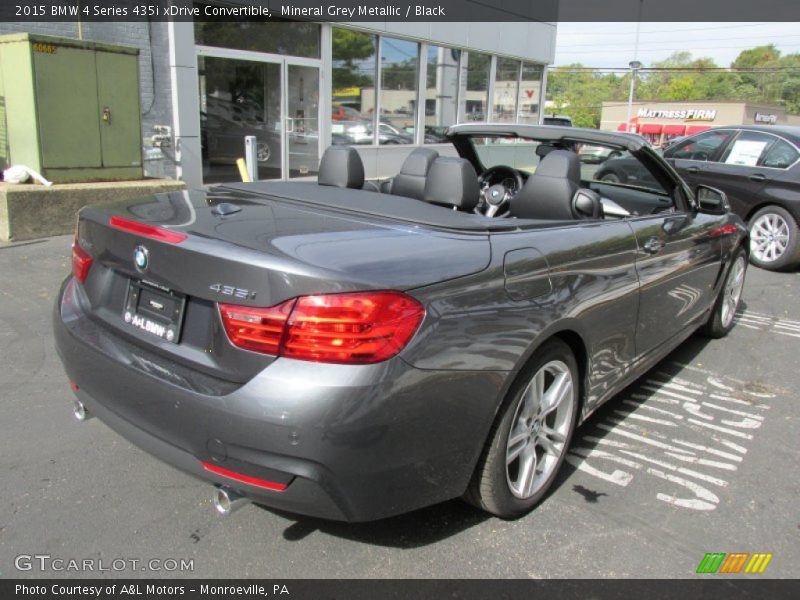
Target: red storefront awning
[
  {"x": 650, "y": 128},
  {"x": 692, "y": 129},
  {"x": 624, "y": 127},
  {"x": 674, "y": 129}
]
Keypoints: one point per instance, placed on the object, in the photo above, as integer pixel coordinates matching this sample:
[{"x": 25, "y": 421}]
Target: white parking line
[{"x": 706, "y": 415}]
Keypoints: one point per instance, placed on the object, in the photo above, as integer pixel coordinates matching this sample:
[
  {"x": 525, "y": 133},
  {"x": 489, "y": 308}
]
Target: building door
[
  {"x": 302, "y": 120},
  {"x": 266, "y": 96}
]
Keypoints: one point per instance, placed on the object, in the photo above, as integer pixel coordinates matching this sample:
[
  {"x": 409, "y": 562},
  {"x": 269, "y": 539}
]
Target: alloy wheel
[
  {"x": 733, "y": 291},
  {"x": 539, "y": 429},
  {"x": 769, "y": 237},
  {"x": 263, "y": 152}
]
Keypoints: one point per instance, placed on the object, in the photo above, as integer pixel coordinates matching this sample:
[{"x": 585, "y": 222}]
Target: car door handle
[
  {"x": 653, "y": 245},
  {"x": 757, "y": 177},
  {"x": 692, "y": 169}
]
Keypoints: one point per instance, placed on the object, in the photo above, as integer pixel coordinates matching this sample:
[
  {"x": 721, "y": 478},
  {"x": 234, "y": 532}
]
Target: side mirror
[
  {"x": 711, "y": 200},
  {"x": 586, "y": 204}
]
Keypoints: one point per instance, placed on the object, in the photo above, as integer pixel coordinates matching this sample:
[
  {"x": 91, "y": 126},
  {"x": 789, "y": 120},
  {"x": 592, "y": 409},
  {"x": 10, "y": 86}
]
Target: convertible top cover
[{"x": 376, "y": 204}]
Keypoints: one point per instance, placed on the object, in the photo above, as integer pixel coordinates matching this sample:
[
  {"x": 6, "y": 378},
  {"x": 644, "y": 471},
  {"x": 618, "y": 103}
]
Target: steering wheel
[{"x": 499, "y": 184}]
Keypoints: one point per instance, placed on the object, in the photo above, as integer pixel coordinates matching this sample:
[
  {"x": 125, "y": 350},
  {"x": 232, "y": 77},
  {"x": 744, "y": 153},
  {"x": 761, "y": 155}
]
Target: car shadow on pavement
[
  {"x": 435, "y": 523},
  {"x": 411, "y": 530}
]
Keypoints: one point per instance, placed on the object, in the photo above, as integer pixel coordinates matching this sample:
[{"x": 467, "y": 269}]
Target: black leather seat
[
  {"x": 341, "y": 166},
  {"x": 452, "y": 182},
  {"x": 410, "y": 181},
  {"x": 548, "y": 192}
]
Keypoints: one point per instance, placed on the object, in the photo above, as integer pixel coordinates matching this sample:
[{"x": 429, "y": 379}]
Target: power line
[
  {"x": 679, "y": 42},
  {"x": 568, "y": 69},
  {"x": 684, "y": 29}
]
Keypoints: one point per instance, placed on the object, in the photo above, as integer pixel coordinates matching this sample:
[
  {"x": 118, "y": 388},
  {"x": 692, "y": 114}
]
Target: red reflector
[
  {"x": 81, "y": 261},
  {"x": 723, "y": 230},
  {"x": 257, "y": 329},
  {"x": 262, "y": 483},
  {"x": 355, "y": 328},
  {"x": 73, "y": 386},
  {"x": 145, "y": 230}
]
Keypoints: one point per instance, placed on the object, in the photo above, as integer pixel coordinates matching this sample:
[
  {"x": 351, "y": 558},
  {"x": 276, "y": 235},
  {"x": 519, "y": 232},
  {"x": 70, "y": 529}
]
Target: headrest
[
  {"x": 341, "y": 167},
  {"x": 410, "y": 181},
  {"x": 452, "y": 182},
  {"x": 560, "y": 163},
  {"x": 419, "y": 162},
  {"x": 543, "y": 150}
]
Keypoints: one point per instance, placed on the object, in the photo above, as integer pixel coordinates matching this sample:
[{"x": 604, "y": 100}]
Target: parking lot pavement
[{"x": 700, "y": 455}]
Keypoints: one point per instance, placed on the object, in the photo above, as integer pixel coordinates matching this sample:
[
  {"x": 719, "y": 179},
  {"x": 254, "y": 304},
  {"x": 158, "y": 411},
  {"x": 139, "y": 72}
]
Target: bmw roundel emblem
[{"x": 141, "y": 257}]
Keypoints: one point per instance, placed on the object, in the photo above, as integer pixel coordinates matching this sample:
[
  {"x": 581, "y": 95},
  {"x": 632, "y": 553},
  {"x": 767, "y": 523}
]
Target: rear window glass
[{"x": 782, "y": 155}]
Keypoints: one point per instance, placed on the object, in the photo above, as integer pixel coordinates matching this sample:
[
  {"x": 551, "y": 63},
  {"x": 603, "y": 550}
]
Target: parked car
[
  {"x": 594, "y": 154},
  {"x": 349, "y": 354},
  {"x": 624, "y": 170},
  {"x": 561, "y": 120},
  {"x": 222, "y": 140},
  {"x": 758, "y": 167}
]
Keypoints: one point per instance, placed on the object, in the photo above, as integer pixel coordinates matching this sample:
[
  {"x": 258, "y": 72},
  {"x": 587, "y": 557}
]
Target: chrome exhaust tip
[
  {"x": 80, "y": 412},
  {"x": 226, "y": 501}
]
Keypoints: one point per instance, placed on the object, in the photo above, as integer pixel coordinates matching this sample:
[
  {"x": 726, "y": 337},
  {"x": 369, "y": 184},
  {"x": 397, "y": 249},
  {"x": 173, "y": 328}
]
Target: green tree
[
  {"x": 351, "y": 51},
  {"x": 580, "y": 93}
]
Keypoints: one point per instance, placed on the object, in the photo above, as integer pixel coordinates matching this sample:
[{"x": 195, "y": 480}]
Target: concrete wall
[
  {"x": 29, "y": 212},
  {"x": 531, "y": 41},
  {"x": 154, "y": 75}
]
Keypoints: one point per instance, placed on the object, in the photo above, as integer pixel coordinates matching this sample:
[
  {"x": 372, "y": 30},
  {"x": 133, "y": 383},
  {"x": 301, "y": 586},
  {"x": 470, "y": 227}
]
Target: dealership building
[
  {"x": 298, "y": 86},
  {"x": 662, "y": 121}
]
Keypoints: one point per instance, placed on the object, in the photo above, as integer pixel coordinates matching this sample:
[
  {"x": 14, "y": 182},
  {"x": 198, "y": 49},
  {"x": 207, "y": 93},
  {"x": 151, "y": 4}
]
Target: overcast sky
[{"x": 612, "y": 44}]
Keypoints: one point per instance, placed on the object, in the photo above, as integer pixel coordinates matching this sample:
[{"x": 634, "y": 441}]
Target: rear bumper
[{"x": 351, "y": 443}]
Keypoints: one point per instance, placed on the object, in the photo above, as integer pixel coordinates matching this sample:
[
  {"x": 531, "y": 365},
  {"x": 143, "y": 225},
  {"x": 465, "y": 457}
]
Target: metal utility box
[{"x": 69, "y": 108}]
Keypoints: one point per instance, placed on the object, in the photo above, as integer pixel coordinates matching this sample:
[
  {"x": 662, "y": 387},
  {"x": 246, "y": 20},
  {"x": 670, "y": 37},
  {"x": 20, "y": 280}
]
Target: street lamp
[{"x": 635, "y": 65}]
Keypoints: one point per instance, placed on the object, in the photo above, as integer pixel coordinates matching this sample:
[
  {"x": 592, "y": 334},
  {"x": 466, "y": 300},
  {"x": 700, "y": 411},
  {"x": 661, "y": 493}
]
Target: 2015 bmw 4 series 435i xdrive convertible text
[{"x": 354, "y": 351}]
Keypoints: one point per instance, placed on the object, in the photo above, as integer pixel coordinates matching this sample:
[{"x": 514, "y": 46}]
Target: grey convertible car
[{"x": 337, "y": 351}]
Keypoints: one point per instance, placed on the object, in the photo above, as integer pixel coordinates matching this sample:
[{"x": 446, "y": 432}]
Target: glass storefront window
[
  {"x": 276, "y": 36},
  {"x": 529, "y": 88},
  {"x": 353, "y": 108},
  {"x": 505, "y": 90},
  {"x": 476, "y": 96},
  {"x": 441, "y": 92},
  {"x": 239, "y": 98},
  {"x": 399, "y": 65}
]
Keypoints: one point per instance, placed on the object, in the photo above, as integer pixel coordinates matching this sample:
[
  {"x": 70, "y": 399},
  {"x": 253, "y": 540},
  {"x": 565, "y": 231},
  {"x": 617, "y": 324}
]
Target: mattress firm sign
[{"x": 685, "y": 114}]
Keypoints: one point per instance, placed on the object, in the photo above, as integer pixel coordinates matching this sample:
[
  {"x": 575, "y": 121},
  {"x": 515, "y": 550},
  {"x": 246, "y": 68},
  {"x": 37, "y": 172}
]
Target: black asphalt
[{"x": 701, "y": 455}]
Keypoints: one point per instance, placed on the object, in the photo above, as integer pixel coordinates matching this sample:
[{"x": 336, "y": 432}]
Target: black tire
[
  {"x": 611, "y": 177},
  {"x": 722, "y": 317},
  {"x": 779, "y": 223},
  {"x": 491, "y": 488}
]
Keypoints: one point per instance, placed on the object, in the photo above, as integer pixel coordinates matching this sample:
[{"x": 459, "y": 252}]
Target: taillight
[
  {"x": 145, "y": 230},
  {"x": 353, "y": 328},
  {"x": 256, "y": 329},
  {"x": 81, "y": 261}
]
